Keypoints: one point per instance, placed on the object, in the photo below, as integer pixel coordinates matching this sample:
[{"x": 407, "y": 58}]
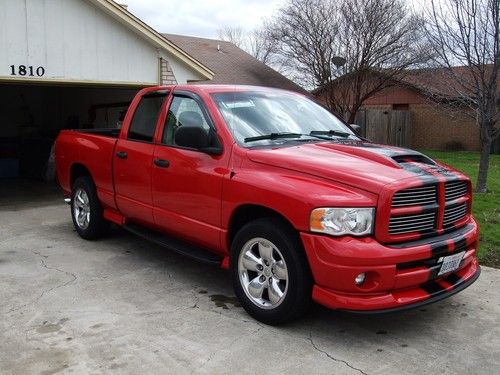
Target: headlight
[{"x": 342, "y": 221}]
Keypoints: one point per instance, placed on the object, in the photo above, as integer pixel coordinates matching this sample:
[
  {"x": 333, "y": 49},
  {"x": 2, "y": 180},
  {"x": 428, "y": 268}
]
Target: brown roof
[
  {"x": 440, "y": 82},
  {"x": 231, "y": 64}
]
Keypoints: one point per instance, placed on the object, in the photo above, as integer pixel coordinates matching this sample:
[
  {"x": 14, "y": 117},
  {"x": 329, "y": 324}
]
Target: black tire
[
  {"x": 297, "y": 295},
  {"x": 96, "y": 226}
]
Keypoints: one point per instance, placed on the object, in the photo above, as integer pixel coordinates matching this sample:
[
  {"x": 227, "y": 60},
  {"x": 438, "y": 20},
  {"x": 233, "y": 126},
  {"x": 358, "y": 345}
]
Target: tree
[
  {"x": 257, "y": 43},
  {"x": 235, "y": 35},
  {"x": 467, "y": 33},
  {"x": 378, "y": 40}
]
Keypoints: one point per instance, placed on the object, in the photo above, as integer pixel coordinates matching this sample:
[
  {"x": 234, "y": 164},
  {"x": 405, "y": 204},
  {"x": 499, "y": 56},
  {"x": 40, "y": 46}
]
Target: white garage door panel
[{"x": 71, "y": 40}]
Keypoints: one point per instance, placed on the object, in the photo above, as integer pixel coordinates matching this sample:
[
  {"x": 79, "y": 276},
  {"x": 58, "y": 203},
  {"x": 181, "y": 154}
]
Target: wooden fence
[{"x": 392, "y": 127}]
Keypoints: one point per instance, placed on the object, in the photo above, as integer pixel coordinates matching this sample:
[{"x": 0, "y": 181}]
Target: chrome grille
[
  {"x": 424, "y": 222},
  {"x": 454, "y": 190},
  {"x": 453, "y": 214},
  {"x": 420, "y": 196}
]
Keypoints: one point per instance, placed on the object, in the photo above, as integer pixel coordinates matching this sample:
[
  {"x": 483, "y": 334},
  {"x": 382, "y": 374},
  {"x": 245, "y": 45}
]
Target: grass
[{"x": 486, "y": 207}]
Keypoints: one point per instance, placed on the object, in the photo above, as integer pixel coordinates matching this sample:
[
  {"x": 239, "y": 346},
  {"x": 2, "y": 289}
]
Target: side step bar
[{"x": 197, "y": 253}]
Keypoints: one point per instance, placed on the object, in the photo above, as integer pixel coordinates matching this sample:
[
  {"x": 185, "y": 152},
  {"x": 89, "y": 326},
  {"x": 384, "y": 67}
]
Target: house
[
  {"x": 78, "y": 63},
  {"x": 74, "y": 64},
  {"x": 230, "y": 64},
  {"x": 433, "y": 126}
]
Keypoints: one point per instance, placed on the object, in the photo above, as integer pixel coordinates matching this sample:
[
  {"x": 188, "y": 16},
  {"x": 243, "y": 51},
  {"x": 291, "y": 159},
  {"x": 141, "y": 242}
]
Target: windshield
[{"x": 267, "y": 117}]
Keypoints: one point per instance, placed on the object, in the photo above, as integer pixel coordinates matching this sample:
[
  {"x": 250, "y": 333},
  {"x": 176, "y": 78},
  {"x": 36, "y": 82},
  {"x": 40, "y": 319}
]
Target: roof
[
  {"x": 123, "y": 16},
  {"x": 440, "y": 82},
  {"x": 230, "y": 64}
]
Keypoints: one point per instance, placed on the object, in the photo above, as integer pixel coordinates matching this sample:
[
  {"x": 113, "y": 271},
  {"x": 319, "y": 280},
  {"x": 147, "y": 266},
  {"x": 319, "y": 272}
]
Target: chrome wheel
[
  {"x": 81, "y": 208},
  {"x": 263, "y": 273}
]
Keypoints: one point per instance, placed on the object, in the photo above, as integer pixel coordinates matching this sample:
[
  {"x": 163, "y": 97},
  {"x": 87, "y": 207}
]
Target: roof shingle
[{"x": 231, "y": 64}]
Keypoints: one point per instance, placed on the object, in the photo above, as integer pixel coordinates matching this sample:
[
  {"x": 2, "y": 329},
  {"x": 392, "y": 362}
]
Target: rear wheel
[
  {"x": 270, "y": 272},
  {"x": 86, "y": 210}
]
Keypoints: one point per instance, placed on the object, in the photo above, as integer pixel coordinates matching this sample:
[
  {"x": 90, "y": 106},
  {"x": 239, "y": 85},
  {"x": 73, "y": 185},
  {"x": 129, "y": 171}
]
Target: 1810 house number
[{"x": 30, "y": 71}]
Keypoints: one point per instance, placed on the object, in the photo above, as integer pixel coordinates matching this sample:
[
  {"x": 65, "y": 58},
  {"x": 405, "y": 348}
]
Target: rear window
[{"x": 143, "y": 124}]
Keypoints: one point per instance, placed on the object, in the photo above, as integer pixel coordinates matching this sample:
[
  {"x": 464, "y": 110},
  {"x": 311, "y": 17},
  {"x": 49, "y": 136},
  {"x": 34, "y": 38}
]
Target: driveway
[{"x": 126, "y": 306}]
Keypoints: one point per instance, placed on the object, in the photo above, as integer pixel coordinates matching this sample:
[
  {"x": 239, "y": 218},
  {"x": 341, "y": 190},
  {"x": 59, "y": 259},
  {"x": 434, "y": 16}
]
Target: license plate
[{"x": 451, "y": 263}]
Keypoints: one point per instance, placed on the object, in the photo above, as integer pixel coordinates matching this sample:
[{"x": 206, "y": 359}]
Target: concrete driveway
[{"x": 126, "y": 306}]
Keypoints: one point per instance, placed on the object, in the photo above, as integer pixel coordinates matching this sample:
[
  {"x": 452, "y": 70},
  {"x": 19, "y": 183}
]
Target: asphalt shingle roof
[{"x": 231, "y": 64}]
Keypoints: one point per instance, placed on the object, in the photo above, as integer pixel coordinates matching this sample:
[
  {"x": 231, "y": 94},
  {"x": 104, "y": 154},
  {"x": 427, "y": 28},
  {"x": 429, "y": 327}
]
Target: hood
[{"x": 360, "y": 164}]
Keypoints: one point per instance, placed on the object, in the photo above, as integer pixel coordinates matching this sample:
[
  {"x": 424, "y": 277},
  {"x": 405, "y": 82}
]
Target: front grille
[
  {"x": 454, "y": 190},
  {"x": 425, "y": 222},
  {"x": 453, "y": 214},
  {"x": 423, "y": 210},
  {"x": 420, "y": 196}
]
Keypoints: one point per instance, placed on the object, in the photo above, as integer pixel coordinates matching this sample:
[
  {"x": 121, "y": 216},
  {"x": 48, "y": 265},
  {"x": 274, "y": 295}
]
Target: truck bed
[
  {"x": 92, "y": 149},
  {"x": 106, "y": 132}
]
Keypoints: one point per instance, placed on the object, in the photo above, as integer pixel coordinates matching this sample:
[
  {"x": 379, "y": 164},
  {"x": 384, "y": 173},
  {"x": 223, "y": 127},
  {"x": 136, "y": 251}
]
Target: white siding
[
  {"x": 182, "y": 72},
  {"x": 73, "y": 40}
]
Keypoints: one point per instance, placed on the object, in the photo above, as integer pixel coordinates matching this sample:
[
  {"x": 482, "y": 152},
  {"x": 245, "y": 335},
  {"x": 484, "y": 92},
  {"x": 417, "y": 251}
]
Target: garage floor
[
  {"x": 16, "y": 194},
  {"x": 73, "y": 306}
]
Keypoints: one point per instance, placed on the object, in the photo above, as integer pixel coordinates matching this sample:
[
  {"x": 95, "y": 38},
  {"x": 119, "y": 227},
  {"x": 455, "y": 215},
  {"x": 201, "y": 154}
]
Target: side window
[
  {"x": 145, "y": 117},
  {"x": 183, "y": 111}
]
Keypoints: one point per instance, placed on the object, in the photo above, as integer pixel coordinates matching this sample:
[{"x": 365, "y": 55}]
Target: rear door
[{"x": 133, "y": 159}]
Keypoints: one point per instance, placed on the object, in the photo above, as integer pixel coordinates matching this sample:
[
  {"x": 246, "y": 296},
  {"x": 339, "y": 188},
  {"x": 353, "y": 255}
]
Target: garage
[
  {"x": 71, "y": 64},
  {"x": 35, "y": 114}
]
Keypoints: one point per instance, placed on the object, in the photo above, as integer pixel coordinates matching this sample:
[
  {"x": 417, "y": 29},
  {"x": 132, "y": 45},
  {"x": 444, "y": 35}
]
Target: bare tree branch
[
  {"x": 235, "y": 35},
  {"x": 466, "y": 33},
  {"x": 378, "y": 39}
]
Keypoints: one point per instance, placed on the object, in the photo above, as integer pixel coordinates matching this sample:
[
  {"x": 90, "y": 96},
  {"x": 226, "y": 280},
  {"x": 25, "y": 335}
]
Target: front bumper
[{"x": 398, "y": 276}]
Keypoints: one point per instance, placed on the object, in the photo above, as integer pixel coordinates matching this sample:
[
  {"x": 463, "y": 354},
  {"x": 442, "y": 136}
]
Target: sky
[{"x": 201, "y": 18}]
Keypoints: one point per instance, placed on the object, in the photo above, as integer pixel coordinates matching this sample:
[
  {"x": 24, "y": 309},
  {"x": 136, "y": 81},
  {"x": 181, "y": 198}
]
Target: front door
[
  {"x": 133, "y": 160},
  {"x": 187, "y": 183}
]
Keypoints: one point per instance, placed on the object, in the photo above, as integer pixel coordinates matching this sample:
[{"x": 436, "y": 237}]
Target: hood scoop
[{"x": 413, "y": 158}]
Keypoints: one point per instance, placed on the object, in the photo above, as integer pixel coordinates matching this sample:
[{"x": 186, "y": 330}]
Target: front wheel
[
  {"x": 270, "y": 272},
  {"x": 86, "y": 210}
]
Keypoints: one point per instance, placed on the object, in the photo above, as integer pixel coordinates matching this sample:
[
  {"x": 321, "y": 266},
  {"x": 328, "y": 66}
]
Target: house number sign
[{"x": 30, "y": 71}]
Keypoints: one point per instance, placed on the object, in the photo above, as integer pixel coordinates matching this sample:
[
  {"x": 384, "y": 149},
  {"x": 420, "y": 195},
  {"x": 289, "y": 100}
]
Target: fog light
[{"x": 360, "y": 278}]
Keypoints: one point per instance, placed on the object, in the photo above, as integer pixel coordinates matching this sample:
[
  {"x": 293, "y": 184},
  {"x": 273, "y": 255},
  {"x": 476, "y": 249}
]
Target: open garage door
[{"x": 31, "y": 116}]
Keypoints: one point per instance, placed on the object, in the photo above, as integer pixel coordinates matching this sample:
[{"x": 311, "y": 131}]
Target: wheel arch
[
  {"x": 249, "y": 212},
  {"x": 78, "y": 170}
]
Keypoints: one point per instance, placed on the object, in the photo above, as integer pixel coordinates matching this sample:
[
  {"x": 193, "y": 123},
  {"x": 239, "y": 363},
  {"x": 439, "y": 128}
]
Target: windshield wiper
[
  {"x": 330, "y": 132},
  {"x": 272, "y": 136}
]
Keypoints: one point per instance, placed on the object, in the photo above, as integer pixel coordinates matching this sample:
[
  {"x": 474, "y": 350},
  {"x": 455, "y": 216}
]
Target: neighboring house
[
  {"x": 433, "y": 126},
  {"x": 230, "y": 64}
]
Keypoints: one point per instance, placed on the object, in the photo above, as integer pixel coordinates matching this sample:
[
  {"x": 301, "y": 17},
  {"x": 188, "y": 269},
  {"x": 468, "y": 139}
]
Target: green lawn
[{"x": 486, "y": 207}]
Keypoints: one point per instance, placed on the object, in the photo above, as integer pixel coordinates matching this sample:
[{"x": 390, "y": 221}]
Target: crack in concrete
[
  {"x": 230, "y": 345},
  {"x": 44, "y": 264},
  {"x": 313, "y": 344}
]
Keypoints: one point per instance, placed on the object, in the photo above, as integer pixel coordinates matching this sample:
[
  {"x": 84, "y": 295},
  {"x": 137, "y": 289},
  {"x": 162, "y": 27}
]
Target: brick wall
[
  {"x": 166, "y": 74},
  {"x": 395, "y": 95},
  {"x": 434, "y": 128}
]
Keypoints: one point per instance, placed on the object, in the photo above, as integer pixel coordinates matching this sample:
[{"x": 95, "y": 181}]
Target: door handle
[
  {"x": 162, "y": 163},
  {"x": 122, "y": 154}
]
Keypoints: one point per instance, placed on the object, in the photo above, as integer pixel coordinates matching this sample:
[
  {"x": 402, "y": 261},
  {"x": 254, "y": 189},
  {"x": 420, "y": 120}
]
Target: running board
[{"x": 194, "y": 252}]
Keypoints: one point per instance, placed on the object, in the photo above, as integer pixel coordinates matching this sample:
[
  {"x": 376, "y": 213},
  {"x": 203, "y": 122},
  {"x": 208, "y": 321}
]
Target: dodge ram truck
[{"x": 272, "y": 186}]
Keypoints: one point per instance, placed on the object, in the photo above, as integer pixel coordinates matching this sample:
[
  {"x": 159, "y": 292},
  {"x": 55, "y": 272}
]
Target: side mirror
[
  {"x": 355, "y": 127},
  {"x": 197, "y": 138}
]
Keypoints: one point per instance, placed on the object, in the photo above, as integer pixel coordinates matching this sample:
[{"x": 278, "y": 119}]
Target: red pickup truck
[{"x": 274, "y": 187}]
